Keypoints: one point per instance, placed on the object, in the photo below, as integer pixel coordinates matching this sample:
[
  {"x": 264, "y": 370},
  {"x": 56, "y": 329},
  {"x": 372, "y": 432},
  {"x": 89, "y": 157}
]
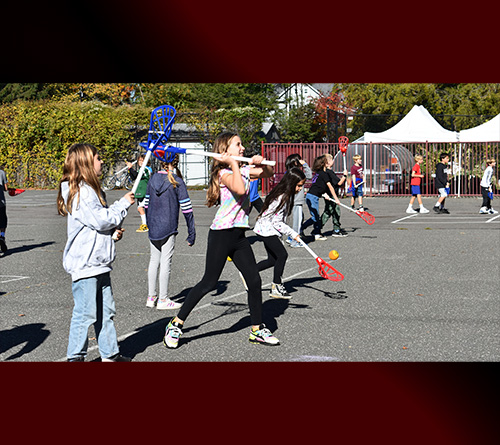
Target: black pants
[
  {"x": 3, "y": 217},
  {"x": 221, "y": 244},
  {"x": 276, "y": 256},
  {"x": 486, "y": 199},
  {"x": 257, "y": 205}
]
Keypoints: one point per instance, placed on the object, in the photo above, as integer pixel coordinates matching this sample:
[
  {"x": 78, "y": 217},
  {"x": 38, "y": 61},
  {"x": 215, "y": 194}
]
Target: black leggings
[
  {"x": 276, "y": 256},
  {"x": 221, "y": 244}
]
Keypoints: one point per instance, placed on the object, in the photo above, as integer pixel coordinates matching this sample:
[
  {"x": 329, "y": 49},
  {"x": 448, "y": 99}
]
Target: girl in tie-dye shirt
[{"x": 229, "y": 187}]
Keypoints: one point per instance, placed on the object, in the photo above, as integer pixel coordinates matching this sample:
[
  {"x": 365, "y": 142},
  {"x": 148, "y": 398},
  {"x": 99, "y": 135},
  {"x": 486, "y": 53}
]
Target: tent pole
[{"x": 459, "y": 168}]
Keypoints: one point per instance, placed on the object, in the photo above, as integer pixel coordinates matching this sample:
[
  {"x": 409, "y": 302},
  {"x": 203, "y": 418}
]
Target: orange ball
[{"x": 333, "y": 254}]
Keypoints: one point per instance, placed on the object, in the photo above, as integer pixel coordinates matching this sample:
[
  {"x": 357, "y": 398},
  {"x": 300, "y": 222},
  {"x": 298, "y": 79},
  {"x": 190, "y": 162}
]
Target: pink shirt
[{"x": 234, "y": 209}]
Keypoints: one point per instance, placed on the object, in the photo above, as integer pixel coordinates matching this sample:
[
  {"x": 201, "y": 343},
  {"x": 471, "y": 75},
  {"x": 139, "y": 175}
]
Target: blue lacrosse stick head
[{"x": 160, "y": 128}]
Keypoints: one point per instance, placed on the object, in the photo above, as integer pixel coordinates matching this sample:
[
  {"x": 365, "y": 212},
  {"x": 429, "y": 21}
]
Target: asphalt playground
[{"x": 417, "y": 288}]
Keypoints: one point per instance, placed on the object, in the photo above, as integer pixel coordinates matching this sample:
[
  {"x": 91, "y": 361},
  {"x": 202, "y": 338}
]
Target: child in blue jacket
[{"x": 166, "y": 194}]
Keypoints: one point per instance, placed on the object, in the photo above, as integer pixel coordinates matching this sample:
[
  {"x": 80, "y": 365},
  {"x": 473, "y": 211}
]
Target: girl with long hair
[
  {"x": 165, "y": 195},
  {"x": 271, "y": 225},
  {"x": 321, "y": 183},
  {"x": 90, "y": 251},
  {"x": 229, "y": 187},
  {"x": 295, "y": 160}
]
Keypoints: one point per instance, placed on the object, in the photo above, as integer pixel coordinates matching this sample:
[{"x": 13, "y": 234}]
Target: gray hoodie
[{"x": 90, "y": 249}]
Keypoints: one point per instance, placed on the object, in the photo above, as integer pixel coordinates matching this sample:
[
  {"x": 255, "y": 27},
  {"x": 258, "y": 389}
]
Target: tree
[{"x": 299, "y": 124}]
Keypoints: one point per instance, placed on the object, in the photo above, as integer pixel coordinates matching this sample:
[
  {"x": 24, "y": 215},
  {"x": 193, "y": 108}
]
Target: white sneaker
[
  {"x": 483, "y": 210},
  {"x": 151, "y": 301},
  {"x": 167, "y": 303},
  {"x": 423, "y": 210},
  {"x": 410, "y": 210},
  {"x": 320, "y": 237},
  {"x": 492, "y": 211}
]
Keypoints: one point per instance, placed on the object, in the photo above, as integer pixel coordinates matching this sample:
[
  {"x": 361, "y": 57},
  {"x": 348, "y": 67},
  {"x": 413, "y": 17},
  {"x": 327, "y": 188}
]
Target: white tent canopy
[
  {"x": 487, "y": 132},
  {"x": 417, "y": 126}
]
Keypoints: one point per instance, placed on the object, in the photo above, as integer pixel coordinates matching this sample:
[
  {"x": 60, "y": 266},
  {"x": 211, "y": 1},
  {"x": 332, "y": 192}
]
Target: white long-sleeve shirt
[
  {"x": 89, "y": 249},
  {"x": 488, "y": 173},
  {"x": 272, "y": 223}
]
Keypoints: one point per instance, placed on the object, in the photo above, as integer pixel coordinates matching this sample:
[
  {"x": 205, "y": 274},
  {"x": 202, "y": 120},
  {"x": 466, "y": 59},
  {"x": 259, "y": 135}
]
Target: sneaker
[
  {"x": 361, "y": 209},
  {"x": 142, "y": 228},
  {"x": 167, "y": 303},
  {"x": 151, "y": 301},
  {"x": 263, "y": 336},
  {"x": 410, "y": 210},
  {"x": 443, "y": 210},
  {"x": 294, "y": 244},
  {"x": 339, "y": 234},
  {"x": 243, "y": 279},
  {"x": 172, "y": 334},
  {"x": 289, "y": 240},
  {"x": 116, "y": 358},
  {"x": 3, "y": 246},
  {"x": 320, "y": 237},
  {"x": 492, "y": 211},
  {"x": 423, "y": 210},
  {"x": 79, "y": 358},
  {"x": 436, "y": 209},
  {"x": 279, "y": 291}
]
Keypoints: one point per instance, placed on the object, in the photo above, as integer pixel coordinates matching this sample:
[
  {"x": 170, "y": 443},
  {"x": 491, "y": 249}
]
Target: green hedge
[{"x": 35, "y": 136}]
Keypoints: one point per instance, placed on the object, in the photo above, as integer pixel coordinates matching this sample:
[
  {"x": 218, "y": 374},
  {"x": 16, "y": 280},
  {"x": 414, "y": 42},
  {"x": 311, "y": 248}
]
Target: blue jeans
[
  {"x": 312, "y": 202},
  {"x": 94, "y": 305}
]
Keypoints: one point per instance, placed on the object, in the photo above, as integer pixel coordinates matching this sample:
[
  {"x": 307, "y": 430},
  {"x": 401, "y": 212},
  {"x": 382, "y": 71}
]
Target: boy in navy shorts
[
  {"x": 357, "y": 182},
  {"x": 416, "y": 179}
]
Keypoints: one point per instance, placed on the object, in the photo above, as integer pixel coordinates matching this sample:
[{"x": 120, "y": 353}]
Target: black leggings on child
[
  {"x": 222, "y": 244},
  {"x": 276, "y": 256}
]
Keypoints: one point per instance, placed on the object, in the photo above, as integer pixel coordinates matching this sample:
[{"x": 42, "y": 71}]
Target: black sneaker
[
  {"x": 436, "y": 209},
  {"x": 279, "y": 291},
  {"x": 443, "y": 210},
  {"x": 116, "y": 358},
  {"x": 339, "y": 234}
]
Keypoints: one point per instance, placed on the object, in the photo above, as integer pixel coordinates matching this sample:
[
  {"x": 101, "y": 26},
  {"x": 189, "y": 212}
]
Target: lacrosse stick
[
  {"x": 325, "y": 269},
  {"x": 167, "y": 154},
  {"x": 343, "y": 142},
  {"x": 365, "y": 216},
  {"x": 15, "y": 192},
  {"x": 160, "y": 128}
]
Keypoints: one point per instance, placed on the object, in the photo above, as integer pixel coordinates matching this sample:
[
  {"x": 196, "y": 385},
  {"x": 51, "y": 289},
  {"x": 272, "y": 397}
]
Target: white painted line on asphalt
[
  {"x": 8, "y": 278},
  {"x": 492, "y": 219},
  {"x": 406, "y": 217}
]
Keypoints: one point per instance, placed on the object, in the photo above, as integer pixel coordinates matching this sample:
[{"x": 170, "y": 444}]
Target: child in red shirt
[{"x": 416, "y": 179}]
